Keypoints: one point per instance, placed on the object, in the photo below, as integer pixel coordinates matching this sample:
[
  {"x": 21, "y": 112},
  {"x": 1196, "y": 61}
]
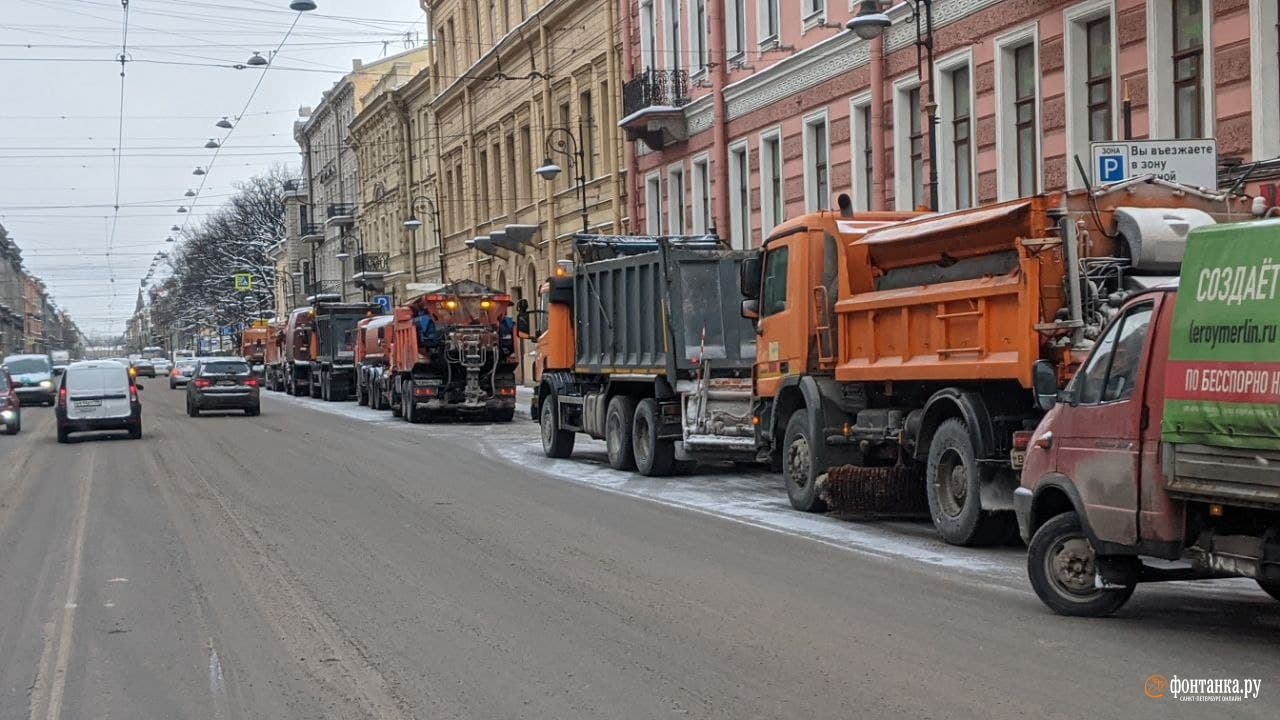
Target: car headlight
[{"x": 46, "y": 384}]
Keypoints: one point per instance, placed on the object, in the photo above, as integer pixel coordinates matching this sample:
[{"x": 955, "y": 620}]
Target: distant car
[
  {"x": 32, "y": 378},
  {"x": 182, "y": 372},
  {"x": 143, "y": 368},
  {"x": 10, "y": 408},
  {"x": 223, "y": 384},
  {"x": 98, "y": 395},
  {"x": 162, "y": 366}
]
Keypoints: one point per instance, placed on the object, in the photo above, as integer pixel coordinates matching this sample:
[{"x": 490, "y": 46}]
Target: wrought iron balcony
[
  {"x": 324, "y": 287},
  {"x": 340, "y": 214},
  {"x": 652, "y": 104},
  {"x": 370, "y": 263},
  {"x": 311, "y": 232}
]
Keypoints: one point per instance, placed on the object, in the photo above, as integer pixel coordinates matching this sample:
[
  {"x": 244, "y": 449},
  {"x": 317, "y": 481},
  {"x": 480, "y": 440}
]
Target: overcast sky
[{"x": 60, "y": 95}]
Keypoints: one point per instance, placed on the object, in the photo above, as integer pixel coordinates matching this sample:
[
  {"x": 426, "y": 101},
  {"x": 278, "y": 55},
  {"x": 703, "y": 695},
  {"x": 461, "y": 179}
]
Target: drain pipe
[{"x": 878, "y": 201}]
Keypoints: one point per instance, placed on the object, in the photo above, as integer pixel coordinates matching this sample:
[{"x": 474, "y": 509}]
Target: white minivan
[{"x": 98, "y": 395}]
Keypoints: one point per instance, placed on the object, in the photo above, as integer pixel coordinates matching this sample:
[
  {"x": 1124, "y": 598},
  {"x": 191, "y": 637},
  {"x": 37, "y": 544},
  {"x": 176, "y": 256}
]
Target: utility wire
[{"x": 115, "y": 218}]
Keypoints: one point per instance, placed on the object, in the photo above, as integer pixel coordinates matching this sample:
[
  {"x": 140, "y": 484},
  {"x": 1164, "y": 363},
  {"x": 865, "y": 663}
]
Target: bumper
[
  {"x": 228, "y": 401},
  {"x": 1022, "y": 498},
  {"x": 491, "y": 405},
  {"x": 98, "y": 424},
  {"x": 147, "y": 372},
  {"x": 27, "y": 395},
  {"x": 180, "y": 380}
]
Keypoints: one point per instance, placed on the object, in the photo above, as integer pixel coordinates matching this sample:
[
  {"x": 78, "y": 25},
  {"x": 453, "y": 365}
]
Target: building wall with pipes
[
  {"x": 796, "y": 111},
  {"x": 503, "y": 78}
]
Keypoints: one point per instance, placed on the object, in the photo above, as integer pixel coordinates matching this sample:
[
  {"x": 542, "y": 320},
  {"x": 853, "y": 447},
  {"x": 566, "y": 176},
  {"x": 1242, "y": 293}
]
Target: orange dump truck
[
  {"x": 897, "y": 362},
  {"x": 273, "y": 361},
  {"x": 453, "y": 354},
  {"x": 253, "y": 347},
  {"x": 373, "y": 352}
]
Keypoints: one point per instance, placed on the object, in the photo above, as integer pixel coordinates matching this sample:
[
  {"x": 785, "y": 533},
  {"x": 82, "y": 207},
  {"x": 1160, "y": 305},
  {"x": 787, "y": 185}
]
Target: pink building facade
[{"x": 742, "y": 113}]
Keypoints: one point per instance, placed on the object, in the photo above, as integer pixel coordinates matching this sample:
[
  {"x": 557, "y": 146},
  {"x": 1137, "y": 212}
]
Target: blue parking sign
[
  {"x": 1110, "y": 168},
  {"x": 384, "y": 302}
]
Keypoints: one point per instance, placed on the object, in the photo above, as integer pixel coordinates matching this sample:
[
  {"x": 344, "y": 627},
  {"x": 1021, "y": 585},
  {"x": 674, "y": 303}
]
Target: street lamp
[
  {"x": 562, "y": 141},
  {"x": 870, "y": 23},
  {"x": 211, "y": 145},
  {"x": 412, "y": 223},
  {"x": 256, "y": 60},
  {"x": 302, "y": 5},
  {"x": 224, "y": 123}
]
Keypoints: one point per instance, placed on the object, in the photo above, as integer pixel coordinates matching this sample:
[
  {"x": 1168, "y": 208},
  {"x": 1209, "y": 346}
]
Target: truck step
[{"x": 879, "y": 491}]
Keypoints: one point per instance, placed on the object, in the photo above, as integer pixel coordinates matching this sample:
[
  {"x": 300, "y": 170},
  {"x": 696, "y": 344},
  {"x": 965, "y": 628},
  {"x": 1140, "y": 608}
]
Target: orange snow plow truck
[
  {"x": 452, "y": 355},
  {"x": 894, "y": 369}
]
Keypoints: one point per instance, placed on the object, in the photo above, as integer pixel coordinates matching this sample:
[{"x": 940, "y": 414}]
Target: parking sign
[
  {"x": 384, "y": 302},
  {"x": 1190, "y": 162}
]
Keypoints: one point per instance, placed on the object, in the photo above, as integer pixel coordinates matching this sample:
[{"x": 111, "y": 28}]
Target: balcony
[
  {"x": 296, "y": 188},
  {"x": 324, "y": 287},
  {"x": 311, "y": 232},
  {"x": 368, "y": 269},
  {"x": 652, "y": 103},
  {"x": 340, "y": 214}
]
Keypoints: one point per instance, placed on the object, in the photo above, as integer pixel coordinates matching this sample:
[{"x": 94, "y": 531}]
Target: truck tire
[
  {"x": 655, "y": 457},
  {"x": 953, "y": 484},
  {"x": 362, "y": 398},
  {"x": 800, "y": 464},
  {"x": 409, "y": 409},
  {"x": 396, "y": 407},
  {"x": 618, "y": 419},
  {"x": 312, "y": 386},
  {"x": 1270, "y": 587},
  {"x": 556, "y": 443},
  {"x": 1061, "y": 567}
]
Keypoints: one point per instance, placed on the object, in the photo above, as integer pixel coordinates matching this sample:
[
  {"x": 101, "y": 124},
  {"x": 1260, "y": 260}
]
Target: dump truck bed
[{"x": 659, "y": 307}]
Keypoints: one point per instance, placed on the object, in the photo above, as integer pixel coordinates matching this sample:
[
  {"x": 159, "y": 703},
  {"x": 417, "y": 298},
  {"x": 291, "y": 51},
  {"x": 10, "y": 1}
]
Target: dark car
[
  {"x": 144, "y": 368},
  {"x": 223, "y": 385},
  {"x": 10, "y": 408}
]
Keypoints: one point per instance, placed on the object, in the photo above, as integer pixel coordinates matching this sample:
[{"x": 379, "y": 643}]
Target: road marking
[
  {"x": 217, "y": 683},
  {"x": 62, "y": 659},
  {"x": 118, "y": 580}
]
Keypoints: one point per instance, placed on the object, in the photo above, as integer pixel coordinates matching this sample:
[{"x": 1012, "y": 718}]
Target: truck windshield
[
  {"x": 1112, "y": 371},
  {"x": 23, "y": 366}
]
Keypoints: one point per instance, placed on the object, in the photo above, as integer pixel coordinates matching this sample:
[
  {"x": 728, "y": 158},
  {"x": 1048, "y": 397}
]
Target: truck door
[
  {"x": 784, "y": 320},
  {"x": 1099, "y": 439}
]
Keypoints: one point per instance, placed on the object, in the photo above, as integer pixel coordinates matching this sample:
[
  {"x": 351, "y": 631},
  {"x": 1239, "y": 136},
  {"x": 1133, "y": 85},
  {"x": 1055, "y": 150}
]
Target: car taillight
[
  {"x": 251, "y": 382},
  {"x": 62, "y": 397},
  {"x": 200, "y": 382},
  {"x": 1022, "y": 439},
  {"x": 175, "y": 373},
  {"x": 133, "y": 393}
]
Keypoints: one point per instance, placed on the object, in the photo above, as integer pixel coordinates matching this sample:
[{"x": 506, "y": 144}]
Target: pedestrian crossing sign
[{"x": 244, "y": 282}]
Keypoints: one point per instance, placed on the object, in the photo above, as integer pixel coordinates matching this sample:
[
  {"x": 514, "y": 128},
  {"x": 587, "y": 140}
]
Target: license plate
[
  {"x": 225, "y": 383},
  {"x": 88, "y": 403},
  {"x": 1017, "y": 458}
]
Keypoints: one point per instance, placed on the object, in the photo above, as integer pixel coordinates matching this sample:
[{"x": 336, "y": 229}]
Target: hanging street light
[
  {"x": 302, "y": 5},
  {"x": 257, "y": 60},
  {"x": 198, "y": 171},
  {"x": 211, "y": 145},
  {"x": 189, "y": 193},
  {"x": 224, "y": 123},
  {"x": 182, "y": 209}
]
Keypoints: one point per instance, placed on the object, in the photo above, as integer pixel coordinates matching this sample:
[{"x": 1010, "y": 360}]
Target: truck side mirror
[
  {"x": 749, "y": 276},
  {"x": 751, "y": 309},
  {"x": 522, "y": 321},
  {"x": 522, "y": 306},
  {"x": 1044, "y": 381}
]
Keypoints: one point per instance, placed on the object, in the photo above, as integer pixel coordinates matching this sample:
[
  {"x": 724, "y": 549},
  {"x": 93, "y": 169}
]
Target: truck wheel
[
  {"x": 654, "y": 457},
  {"x": 396, "y": 407},
  {"x": 618, "y": 419},
  {"x": 1270, "y": 587},
  {"x": 361, "y": 397},
  {"x": 556, "y": 443},
  {"x": 1061, "y": 566},
  {"x": 408, "y": 409},
  {"x": 953, "y": 484},
  {"x": 800, "y": 464}
]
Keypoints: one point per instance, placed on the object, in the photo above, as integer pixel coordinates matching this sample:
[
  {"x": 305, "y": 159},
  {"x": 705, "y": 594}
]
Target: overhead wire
[{"x": 115, "y": 220}]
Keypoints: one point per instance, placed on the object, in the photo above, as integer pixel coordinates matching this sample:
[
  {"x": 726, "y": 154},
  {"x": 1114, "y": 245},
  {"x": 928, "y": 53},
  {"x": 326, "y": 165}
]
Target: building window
[
  {"x": 675, "y": 200},
  {"x": 671, "y": 14},
  {"x": 566, "y": 121},
  {"x": 653, "y": 204},
  {"x": 739, "y": 197},
  {"x": 1188, "y": 67},
  {"x": 698, "y": 33},
  {"x": 735, "y": 25},
  {"x": 817, "y": 166},
  {"x": 958, "y": 132},
  {"x": 861, "y": 153},
  {"x": 498, "y": 181},
  {"x": 772, "y": 203},
  {"x": 526, "y": 163},
  {"x": 588, "y": 126},
  {"x": 513, "y": 182},
  {"x": 1017, "y": 114},
  {"x": 1024, "y": 110},
  {"x": 701, "y": 197},
  {"x": 809, "y": 8},
  {"x": 1264, "y": 58},
  {"x": 648, "y": 33},
  {"x": 915, "y": 143},
  {"x": 908, "y": 145},
  {"x": 1098, "y": 83},
  {"x": 770, "y": 20},
  {"x": 482, "y": 165}
]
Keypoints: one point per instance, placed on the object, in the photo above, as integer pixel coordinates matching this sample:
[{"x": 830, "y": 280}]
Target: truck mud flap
[{"x": 874, "y": 491}]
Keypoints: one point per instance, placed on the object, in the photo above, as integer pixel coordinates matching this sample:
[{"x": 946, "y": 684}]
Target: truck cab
[{"x": 1162, "y": 445}]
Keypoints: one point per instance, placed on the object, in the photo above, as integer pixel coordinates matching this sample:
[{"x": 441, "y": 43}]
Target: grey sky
[{"x": 58, "y": 121}]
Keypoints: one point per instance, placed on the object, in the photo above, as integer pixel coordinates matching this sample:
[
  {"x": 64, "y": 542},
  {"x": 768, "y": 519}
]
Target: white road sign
[{"x": 1190, "y": 162}]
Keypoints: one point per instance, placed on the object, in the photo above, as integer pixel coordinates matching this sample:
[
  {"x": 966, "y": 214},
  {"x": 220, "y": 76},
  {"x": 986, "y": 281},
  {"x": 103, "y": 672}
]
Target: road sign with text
[{"x": 1190, "y": 162}]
